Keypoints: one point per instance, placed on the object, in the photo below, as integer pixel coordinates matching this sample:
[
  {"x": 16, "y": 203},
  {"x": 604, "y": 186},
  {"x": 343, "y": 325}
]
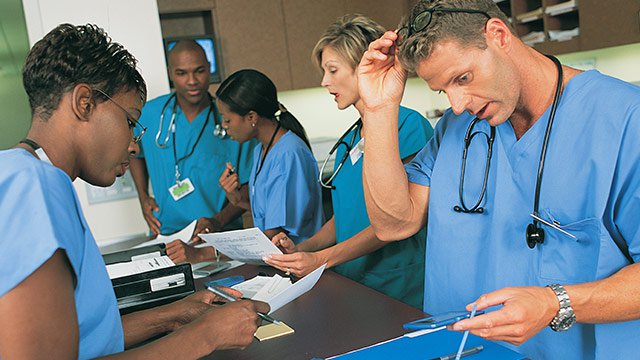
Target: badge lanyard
[{"x": 175, "y": 156}]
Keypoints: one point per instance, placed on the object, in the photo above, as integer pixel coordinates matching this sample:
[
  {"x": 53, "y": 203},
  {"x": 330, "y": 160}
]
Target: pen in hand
[{"x": 225, "y": 295}]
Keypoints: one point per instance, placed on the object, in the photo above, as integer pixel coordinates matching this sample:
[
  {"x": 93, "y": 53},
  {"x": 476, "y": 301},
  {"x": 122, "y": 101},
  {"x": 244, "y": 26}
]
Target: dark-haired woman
[{"x": 283, "y": 194}]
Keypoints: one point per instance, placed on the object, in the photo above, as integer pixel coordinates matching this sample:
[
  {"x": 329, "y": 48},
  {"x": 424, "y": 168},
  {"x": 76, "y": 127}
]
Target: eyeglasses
[
  {"x": 423, "y": 20},
  {"x": 130, "y": 118}
]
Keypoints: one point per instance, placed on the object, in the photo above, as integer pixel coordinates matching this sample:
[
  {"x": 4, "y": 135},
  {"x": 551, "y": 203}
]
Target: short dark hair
[
  {"x": 70, "y": 55},
  {"x": 465, "y": 28}
]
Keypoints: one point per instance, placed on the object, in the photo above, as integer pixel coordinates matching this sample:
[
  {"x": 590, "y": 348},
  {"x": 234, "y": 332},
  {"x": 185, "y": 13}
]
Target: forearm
[
  {"x": 228, "y": 213},
  {"x": 385, "y": 182},
  {"x": 324, "y": 238},
  {"x": 363, "y": 243},
  {"x": 142, "y": 325},
  {"x": 609, "y": 300},
  {"x": 172, "y": 346},
  {"x": 138, "y": 168}
]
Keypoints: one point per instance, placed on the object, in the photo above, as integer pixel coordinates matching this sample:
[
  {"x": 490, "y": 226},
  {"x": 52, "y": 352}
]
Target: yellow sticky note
[{"x": 271, "y": 331}]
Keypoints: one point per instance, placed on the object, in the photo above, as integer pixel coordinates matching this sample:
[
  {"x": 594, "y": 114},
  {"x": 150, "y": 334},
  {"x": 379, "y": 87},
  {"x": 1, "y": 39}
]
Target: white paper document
[
  {"x": 278, "y": 291},
  {"x": 248, "y": 246},
  {"x": 138, "y": 266},
  {"x": 184, "y": 235}
]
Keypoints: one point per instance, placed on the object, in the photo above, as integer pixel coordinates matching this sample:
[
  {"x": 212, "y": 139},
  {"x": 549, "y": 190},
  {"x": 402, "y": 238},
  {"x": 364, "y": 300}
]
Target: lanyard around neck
[
  {"x": 173, "y": 140},
  {"x": 263, "y": 158}
]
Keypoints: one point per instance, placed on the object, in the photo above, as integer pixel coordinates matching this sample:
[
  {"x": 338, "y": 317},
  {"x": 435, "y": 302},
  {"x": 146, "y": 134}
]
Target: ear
[
  {"x": 498, "y": 34},
  {"x": 170, "y": 72},
  {"x": 82, "y": 102},
  {"x": 252, "y": 117}
]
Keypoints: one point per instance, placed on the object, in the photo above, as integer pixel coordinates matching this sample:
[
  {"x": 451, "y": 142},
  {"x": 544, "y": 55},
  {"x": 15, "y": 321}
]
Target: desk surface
[{"x": 336, "y": 316}]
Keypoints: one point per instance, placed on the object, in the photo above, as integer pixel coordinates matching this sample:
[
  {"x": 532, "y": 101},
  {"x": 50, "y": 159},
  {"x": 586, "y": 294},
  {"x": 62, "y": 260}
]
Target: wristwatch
[{"x": 565, "y": 318}]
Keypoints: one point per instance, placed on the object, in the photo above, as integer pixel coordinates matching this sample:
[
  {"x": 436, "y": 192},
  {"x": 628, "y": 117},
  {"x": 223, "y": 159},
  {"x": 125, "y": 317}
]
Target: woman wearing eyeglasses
[{"x": 346, "y": 241}]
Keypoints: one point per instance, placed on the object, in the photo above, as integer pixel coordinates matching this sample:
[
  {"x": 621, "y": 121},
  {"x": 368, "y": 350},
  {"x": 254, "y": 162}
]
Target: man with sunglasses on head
[
  {"x": 56, "y": 299},
  {"x": 530, "y": 183}
]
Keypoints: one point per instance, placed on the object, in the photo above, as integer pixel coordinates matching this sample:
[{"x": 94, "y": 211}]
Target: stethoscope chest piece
[{"x": 535, "y": 235}]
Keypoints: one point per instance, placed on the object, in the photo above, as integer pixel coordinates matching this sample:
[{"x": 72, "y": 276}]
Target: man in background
[{"x": 185, "y": 152}]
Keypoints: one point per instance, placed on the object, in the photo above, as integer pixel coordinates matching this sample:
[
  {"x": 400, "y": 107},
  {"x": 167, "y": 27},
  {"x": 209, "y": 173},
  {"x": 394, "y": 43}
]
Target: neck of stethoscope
[
  {"x": 170, "y": 129},
  {"x": 356, "y": 128}
]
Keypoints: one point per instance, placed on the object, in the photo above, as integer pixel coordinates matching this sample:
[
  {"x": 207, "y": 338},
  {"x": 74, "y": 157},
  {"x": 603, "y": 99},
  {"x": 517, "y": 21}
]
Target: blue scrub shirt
[
  {"x": 203, "y": 167},
  {"x": 591, "y": 186},
  {"x": 286, "y": 192},
  {"x": 40, "y": 213},
  {"x": 397, "y": 269}
]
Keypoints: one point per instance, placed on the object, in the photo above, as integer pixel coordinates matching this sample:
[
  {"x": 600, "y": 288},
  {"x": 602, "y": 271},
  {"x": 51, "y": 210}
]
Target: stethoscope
[
  {"x": 341, "y": 141},
  {"x": 534, "y": 233},
  {"x": 218, "y": 130}
]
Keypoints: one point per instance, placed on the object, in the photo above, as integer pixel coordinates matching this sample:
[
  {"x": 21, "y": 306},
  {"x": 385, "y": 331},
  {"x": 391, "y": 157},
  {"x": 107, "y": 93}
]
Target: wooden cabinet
[
  {"x": 609, "y": 23},
  {"x": 252, "y": 35},
  {"x": 563, "y": 26}
]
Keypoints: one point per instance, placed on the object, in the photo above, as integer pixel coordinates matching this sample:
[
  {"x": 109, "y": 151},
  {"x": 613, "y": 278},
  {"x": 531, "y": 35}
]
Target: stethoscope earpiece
[{"x": 535, "y": 235}]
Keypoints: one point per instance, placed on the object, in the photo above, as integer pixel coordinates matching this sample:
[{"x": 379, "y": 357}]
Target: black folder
[{"x": 152, "y": 288}]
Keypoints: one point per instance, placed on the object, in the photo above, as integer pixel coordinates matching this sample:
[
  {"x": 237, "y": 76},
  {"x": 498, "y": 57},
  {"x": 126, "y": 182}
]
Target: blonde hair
[{"x": 350, "y": 36}]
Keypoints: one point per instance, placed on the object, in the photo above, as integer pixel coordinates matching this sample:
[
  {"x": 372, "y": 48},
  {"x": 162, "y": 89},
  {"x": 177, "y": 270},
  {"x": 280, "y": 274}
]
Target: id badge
[
  {"x": 181, "y": 189},
  {"x": 356, "y": 153}
]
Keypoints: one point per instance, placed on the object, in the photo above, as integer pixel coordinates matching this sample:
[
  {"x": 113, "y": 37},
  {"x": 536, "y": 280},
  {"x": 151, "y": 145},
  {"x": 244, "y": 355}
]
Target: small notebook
[{"x": 271, "y": 331}]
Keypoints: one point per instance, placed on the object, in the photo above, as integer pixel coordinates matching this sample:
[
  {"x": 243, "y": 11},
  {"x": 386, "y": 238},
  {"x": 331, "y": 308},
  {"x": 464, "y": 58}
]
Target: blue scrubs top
[
  {"x": 397, "y": 269},
  {"x": 591, "y": 186},
  {"x": 203, "y": 167},
  {"x": 286, "y": 192},
  {"x": 40, "y": 213}
]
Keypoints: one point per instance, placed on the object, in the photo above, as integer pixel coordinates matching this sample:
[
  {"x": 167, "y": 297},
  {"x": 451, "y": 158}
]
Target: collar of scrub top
[
  {"x": 173, "y": 138},
  {"x": 534, "y": 233},
  {"x": 264, "y": 157},
  {"x": 328, "y": 183},
  {"x": 218, "y": 131}
]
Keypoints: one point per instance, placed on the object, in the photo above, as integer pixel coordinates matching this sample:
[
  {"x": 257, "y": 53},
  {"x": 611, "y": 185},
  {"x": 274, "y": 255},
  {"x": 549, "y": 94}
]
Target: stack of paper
[
  {"x": 561, "y": 8},
  {"x": 530, "y": 15},
  {"x": 563, "y": 35},
  {"x": 533, "y": 38},
  {"x": 278, "y": 291}
]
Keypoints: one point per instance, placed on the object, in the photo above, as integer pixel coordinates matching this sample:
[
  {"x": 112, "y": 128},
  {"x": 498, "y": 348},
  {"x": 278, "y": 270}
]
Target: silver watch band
[{"x": 565, "y": 318}]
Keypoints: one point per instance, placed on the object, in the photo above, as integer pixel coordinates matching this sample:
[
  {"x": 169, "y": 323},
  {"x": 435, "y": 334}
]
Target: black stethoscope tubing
[
  {"x": 218, "y": 131},
  {"x": 328, "y": 183},
  {"x": 534, "y": 233}
]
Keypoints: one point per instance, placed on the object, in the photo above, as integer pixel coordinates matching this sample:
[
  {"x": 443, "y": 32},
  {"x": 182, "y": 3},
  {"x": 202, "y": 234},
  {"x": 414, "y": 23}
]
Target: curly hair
[
  {"x": 70, "y": 55},
  {"x": 465, "y": 28},
  {"x": 350, "y": 36}
]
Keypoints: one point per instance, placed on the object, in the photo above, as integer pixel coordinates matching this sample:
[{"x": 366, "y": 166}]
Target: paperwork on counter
[
  {"x": 248, "y": 246},
  {"x": 276, "y": 290}
]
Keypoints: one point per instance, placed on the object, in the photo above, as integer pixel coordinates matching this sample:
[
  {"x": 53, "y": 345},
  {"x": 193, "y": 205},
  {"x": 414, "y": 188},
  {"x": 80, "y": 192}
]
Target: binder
[
  {"x": 152, "y": 288},
  {"x": 429, "y": 344}
]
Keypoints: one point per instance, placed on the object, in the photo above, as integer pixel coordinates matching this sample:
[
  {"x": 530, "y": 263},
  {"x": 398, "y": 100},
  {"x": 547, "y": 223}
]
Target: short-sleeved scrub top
[
  {"x": 397, "y": 269},
  {"x": 204, "y": 157},
  {"x": 590, "y": 188},
  {"x": 39, "y": 214}
]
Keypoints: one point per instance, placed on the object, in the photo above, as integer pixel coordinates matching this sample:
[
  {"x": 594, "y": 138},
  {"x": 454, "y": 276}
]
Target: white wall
[
  {"x": 317, "y": 112},
  {"x": 136, "y": 25}
]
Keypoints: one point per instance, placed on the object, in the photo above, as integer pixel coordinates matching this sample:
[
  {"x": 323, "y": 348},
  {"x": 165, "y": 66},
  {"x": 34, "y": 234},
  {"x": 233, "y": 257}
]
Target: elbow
[{"x": 384, "y": 233}]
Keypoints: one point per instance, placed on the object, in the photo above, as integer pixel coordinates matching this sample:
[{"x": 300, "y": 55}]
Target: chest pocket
[{"x": 567, "y": 260}]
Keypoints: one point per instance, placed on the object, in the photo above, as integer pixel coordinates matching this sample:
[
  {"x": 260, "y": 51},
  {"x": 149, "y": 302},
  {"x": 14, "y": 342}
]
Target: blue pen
[
  {"x": 225, "y": 295},
  {"x": 466, "y": 333}
]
